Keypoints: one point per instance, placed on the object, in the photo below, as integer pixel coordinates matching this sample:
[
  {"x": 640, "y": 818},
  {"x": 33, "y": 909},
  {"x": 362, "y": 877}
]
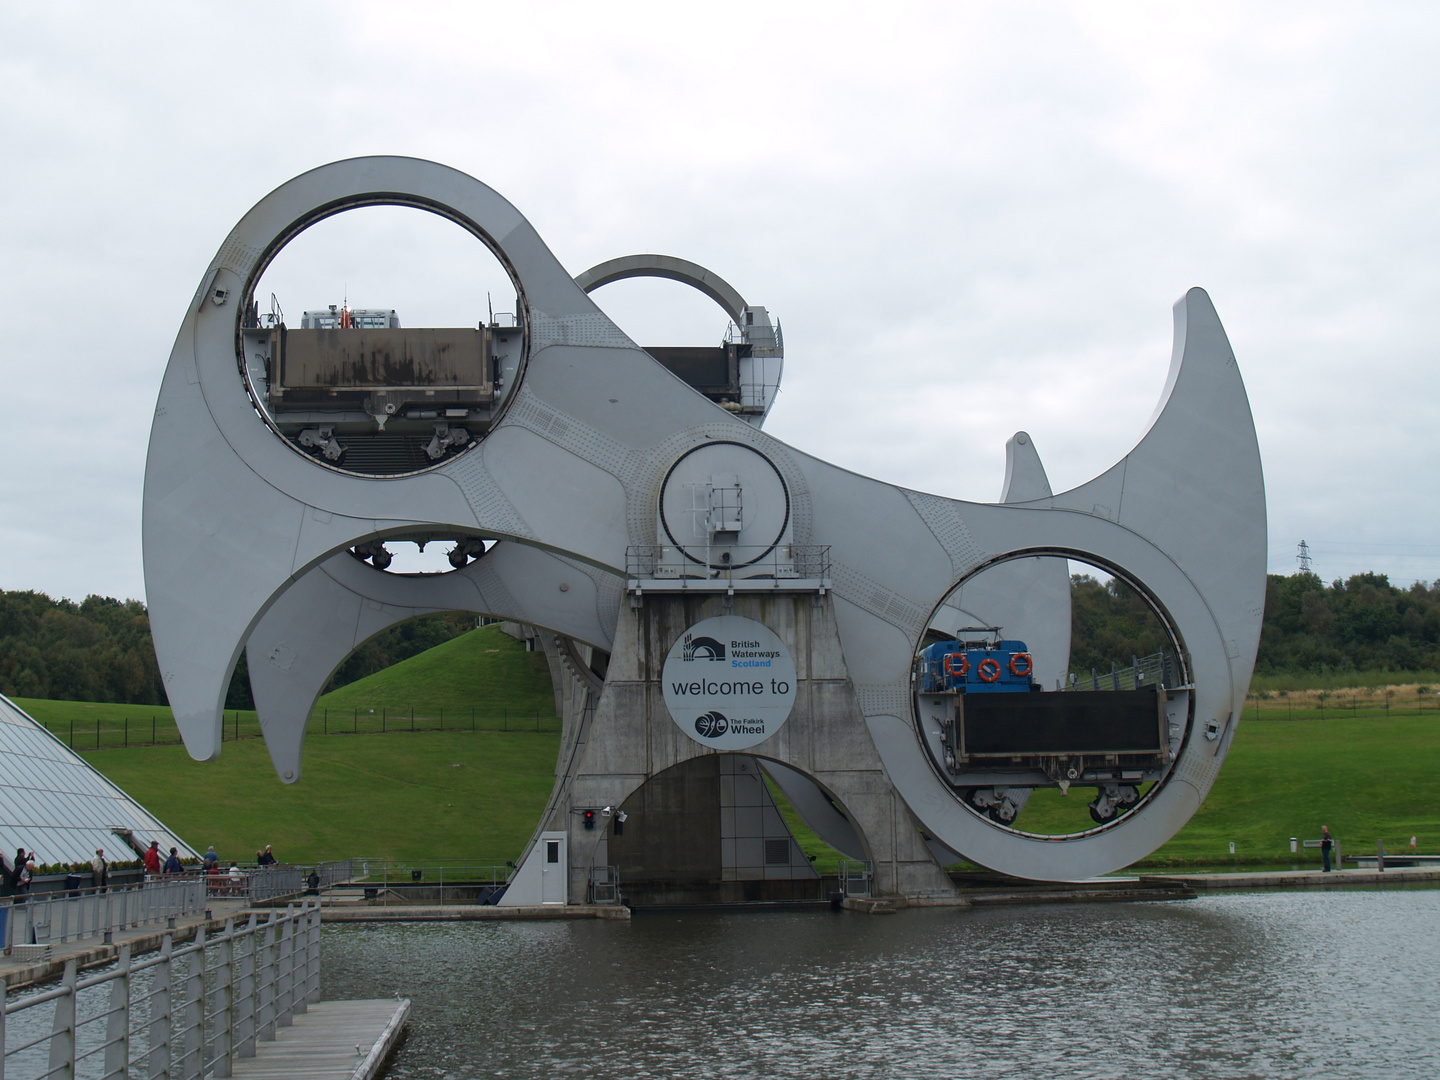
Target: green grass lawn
[
  {"x": 448, "y": 793},
  {"x": 456, "y": 796},
  {"x": 484, "y": 680},
  {"x": 485, "y": 671},
  {"x": 1369, "y": 778}
]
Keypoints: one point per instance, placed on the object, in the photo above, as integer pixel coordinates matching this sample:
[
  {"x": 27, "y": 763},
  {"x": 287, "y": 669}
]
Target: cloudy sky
[{"x": 970, "y": 218}]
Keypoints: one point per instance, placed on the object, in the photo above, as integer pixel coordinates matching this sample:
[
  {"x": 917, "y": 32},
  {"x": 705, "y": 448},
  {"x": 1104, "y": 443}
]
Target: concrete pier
[
  {"x": 1301, "y": 879},
  {"x": 332, "y": 1040},
  {"x": 469, "y": 912}
]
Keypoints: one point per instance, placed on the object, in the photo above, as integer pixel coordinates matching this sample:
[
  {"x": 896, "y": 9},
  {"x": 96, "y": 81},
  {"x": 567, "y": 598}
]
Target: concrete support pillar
[{"x": 631, "y": 737}]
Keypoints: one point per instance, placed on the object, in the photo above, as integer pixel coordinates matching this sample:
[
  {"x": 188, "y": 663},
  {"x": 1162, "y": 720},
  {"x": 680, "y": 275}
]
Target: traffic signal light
[{"x": 589, "y": 817}]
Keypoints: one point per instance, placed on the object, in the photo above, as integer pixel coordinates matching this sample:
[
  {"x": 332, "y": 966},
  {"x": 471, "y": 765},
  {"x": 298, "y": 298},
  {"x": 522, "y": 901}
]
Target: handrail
[
  {"x": 197, "y": 1017},
  {"x": 856, "y": 878},
  {"x": 76, "y": 914}
]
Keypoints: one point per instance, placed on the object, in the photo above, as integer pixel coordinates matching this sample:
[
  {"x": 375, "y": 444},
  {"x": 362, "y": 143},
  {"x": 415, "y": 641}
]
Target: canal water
[{"x": 1342, "y": 983}]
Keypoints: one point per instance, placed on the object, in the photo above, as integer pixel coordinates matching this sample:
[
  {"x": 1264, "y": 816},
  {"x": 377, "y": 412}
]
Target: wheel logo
[{"x": 712, "y": 725}]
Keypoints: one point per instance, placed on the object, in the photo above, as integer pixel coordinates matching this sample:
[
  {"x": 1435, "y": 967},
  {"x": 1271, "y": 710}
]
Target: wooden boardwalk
[{"x": 333, "y": 1040}]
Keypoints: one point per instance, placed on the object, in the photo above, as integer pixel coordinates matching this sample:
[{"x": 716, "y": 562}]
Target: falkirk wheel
[{"x": 709, "y": 597}]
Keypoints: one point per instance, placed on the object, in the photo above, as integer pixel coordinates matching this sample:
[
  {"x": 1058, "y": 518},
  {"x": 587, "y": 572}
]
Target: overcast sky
[{"x": 970, "y": 219}]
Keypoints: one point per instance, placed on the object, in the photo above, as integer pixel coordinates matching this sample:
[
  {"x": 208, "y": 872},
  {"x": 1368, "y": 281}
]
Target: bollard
[
  {"x": 1294, "y": 845},
  {"x": 1380, "y": 855}
]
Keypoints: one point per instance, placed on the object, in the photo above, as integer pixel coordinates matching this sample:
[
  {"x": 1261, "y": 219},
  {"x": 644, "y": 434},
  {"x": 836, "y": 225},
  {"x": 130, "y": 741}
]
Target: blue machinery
[{"x": 997, "y": 737}]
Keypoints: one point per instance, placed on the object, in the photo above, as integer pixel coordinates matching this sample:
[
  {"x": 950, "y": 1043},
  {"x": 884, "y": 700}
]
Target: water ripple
[{"x": 1335, "y": 984}]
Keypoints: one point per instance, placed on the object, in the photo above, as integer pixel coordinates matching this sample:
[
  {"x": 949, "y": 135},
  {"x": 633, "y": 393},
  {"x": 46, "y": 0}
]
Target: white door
[{"x": 554, "y": 869}]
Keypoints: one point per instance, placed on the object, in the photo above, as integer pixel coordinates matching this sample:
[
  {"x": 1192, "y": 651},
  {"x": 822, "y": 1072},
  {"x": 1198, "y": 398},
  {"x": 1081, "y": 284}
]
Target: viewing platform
[{"x": 333, "y": 1040}]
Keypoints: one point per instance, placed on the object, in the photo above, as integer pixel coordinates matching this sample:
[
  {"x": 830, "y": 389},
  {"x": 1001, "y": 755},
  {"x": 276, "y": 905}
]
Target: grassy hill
[
  {"x": 486, "y": 672},
  {"x": 447, "y": 791},
  {"x": 483, "y": 680},
  {"x": 1366, "y": 769},
  {"x": 1369, "y": 778},
  {"x": 462, "y": 797}
]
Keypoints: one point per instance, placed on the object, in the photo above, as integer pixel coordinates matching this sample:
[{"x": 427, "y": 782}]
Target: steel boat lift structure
[{"x": 578, "y": 451}]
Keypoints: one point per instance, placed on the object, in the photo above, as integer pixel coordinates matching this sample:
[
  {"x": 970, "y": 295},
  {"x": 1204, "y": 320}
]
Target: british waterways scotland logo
[{"x": 702, "y": 648}]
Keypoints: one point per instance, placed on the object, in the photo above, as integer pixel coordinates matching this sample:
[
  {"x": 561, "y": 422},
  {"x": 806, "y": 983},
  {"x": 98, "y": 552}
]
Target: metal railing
[
  {"x": 334, "y": 873},
  {"x": 58, "y": 918},
  {"x": 195, "y": 1009},
  {"x": 667, "y": 567},
  {"x": 254, "y": 883},
  {"x": 425, "y": 881},
  {"x": 856, "y": 878},
  {"x": 604, "y": 884},
  {"x": 260, "y": 883},
  {"x": 1157, "y": 668}
]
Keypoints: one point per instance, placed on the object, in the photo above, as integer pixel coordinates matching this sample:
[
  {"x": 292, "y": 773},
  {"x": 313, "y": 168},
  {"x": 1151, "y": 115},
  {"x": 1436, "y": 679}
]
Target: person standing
[
  {"x": 99, "y": 869},
  {"x": 21, "y": 874},
  {"x": 172, "y": 864},
  {"x": 1326, "y": 843},
  {"x": 152, "y": 859},
  {"x": 15, "y": 868}
]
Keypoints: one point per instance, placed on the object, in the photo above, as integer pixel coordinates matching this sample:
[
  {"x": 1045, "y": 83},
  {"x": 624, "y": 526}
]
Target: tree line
[
  {"x": 100, "y": 649},
  {"x": 1360, "y": 623}
]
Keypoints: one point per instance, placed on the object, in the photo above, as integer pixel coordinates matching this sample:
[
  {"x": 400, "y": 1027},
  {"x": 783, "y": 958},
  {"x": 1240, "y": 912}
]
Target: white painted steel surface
[{"x": 233, "y": 515}]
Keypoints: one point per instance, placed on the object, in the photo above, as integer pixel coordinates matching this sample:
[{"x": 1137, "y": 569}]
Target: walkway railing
[
  {"x": 426, "y": 881},
  {"x": 1142, "y": 671},
  {"x": 183, "y": 1014},
  {"x": 332, "y": 873},
  {"x": 856, "y": 878},
  {"x": 786, "y": 567},
  {"x": 58, "y": 918},
  {"x": 255, "y": 883}
]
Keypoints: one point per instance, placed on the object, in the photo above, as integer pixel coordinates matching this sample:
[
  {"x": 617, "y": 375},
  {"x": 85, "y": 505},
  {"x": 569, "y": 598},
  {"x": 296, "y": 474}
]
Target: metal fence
[
  {"x": 118, "y": 732},
  {"x": 1157, "y": 668},
  {"x": 58, "y": 918},
  {"x": 256, "y": 884},
  {"x": 334, "y": 873},
  {"x": 183, "y": 1014},
  {"x": 1338, "y": 703},
  {"x": 659, "y": 567},
  {"x": 856, "y": 878},
  {"x": 253, "y": 883},
  {"x": 425, "y": 881}
]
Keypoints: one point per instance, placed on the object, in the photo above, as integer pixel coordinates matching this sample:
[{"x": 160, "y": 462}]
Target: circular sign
[{"x": 729, "y": 682}]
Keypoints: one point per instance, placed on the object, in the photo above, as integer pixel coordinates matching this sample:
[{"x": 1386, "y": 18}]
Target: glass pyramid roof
[{"x": 53, "y": 802}]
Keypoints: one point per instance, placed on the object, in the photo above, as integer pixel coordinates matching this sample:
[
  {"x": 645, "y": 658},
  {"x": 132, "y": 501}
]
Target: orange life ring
[
  {"x": 1025, "y": 659},
  {"x": 989, "y": 669},
  {"x": 960, "y": 670}
]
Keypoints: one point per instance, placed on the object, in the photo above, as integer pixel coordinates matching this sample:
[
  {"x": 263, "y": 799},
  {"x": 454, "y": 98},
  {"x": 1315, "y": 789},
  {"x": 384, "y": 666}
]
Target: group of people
[
  {"x": 22, "y": 874},
  {"x": 210, "y": 864},
  {"x": 153, "y": 863}
]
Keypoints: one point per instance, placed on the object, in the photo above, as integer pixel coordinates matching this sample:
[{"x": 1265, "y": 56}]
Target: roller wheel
[{"x": 1099, "y": 819}]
